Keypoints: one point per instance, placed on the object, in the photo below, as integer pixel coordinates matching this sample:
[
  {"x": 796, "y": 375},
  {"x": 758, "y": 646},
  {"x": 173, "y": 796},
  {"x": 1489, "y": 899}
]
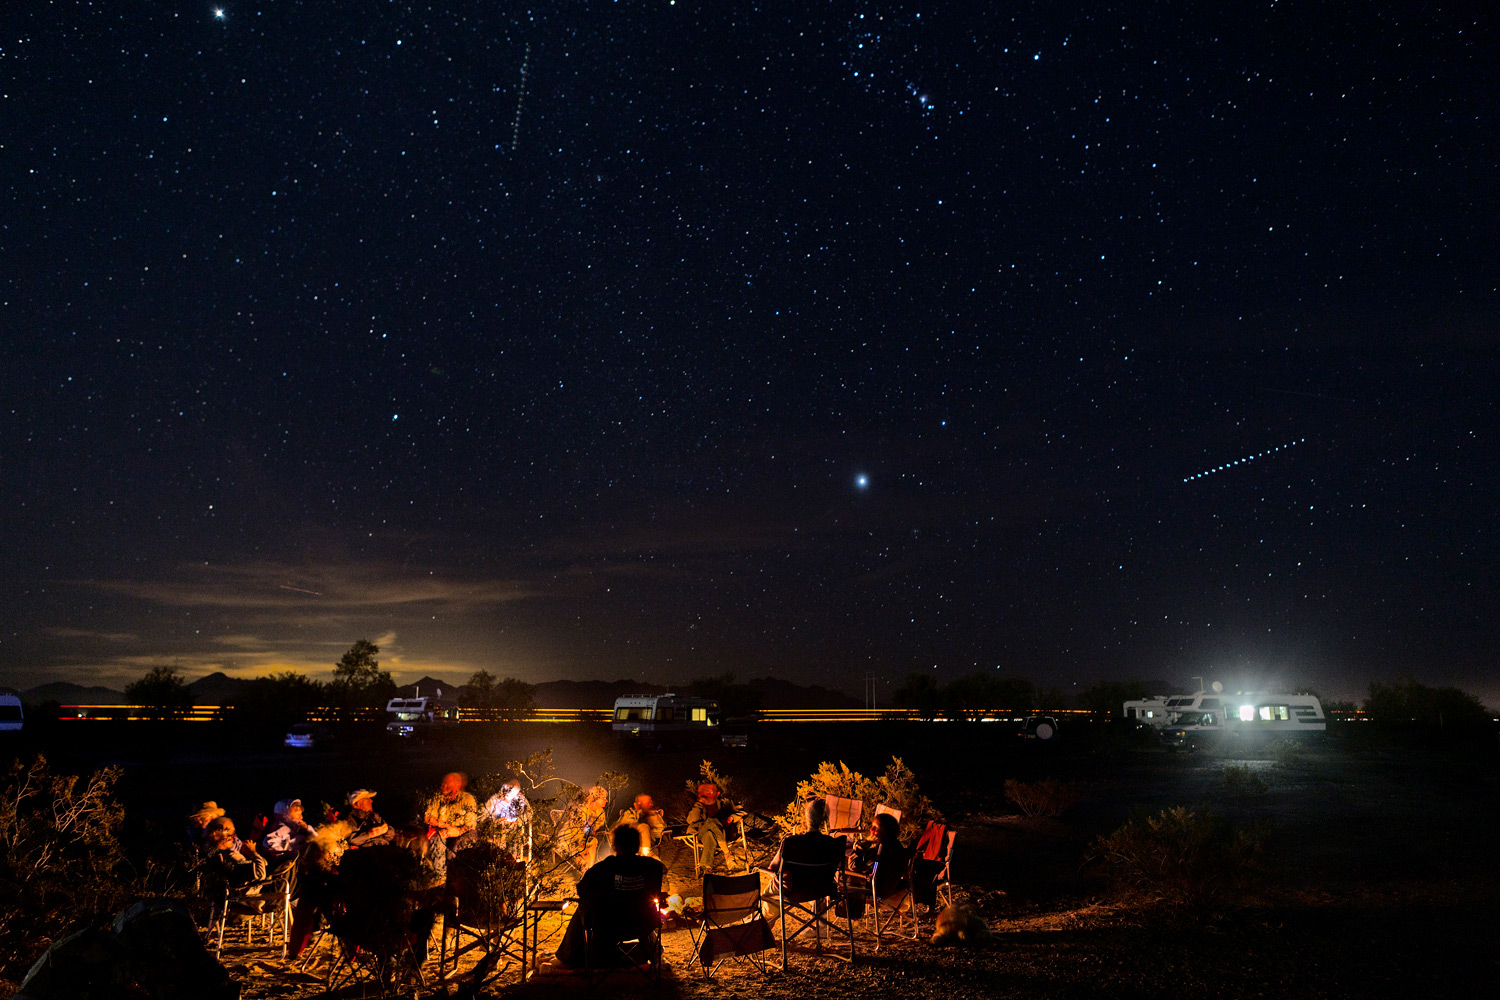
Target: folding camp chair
[
  {"x": 883, "y": 808},
  {"x": 891, "y": 899},
  {"x": 485, "y": 903},
  {"x": 266, "y": 903},
  {"x": 932, "y": 866},
  {"x": 844, "y": 815},
  {"x": 622, "y": 929},
  {"x": 732, "y": 925},
  {"x": 810, "y": 893},
  {"x": 689, "y": 839}
]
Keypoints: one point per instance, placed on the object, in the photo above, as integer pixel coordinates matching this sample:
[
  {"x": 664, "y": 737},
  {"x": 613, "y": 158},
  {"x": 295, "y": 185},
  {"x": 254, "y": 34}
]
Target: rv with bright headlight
[{"x": 664, "y": 713}]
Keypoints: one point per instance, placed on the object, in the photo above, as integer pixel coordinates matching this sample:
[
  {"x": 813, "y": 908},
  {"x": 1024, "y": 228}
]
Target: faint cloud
[{"x": 83, "y": 633}]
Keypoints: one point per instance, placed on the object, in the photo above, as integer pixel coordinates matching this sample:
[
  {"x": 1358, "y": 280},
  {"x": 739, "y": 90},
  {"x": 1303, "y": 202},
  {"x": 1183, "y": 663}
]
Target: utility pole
[{"x": 870, "y": 682}]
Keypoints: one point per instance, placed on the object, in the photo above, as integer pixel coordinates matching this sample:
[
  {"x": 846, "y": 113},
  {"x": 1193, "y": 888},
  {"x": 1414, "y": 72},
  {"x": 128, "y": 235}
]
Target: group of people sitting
[{"x": 607, "y": 855}]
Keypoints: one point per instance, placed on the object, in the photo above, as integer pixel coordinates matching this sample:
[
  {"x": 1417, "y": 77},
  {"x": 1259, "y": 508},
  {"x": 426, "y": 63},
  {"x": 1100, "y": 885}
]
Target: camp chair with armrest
[
  {"x": 889, "y": 810},
  {"x": 484, "y": 902},
  {"x": 732, "y": 924},
  {"x": 622, "y": 929},
  {"x": 266, "y": 903},
  {"x": 890, "y": 897},
  {"x": 689, "y": 839},
  {"x": 807, "y": 896},
  {"x": 932, "y": 877}
]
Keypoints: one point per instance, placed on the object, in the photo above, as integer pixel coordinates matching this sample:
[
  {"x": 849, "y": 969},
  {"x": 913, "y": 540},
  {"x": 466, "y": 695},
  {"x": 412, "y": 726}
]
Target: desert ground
[{"x": 1379, "y": 872}]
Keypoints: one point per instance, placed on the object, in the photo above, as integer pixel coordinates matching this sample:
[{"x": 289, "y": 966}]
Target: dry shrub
[
  {"x": 1179, "y": 858},
  {"x": 896, "y": 788},
  {"x": 60, "y": 857},
  {"x": 1046, "y": 798},
  {"x": 1241, "y": 782}
]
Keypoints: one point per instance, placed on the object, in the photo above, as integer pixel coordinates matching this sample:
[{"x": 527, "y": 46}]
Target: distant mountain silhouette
[
  {"x": 429, "y": 687},
  {"x": 217, "y": 688}
]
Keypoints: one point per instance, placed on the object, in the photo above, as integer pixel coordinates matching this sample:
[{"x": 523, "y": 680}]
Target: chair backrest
[
  {"x": 803, "y": 883},
  {"x": 883, "y": 808},
  {"x": 930, "y": 844},
  {"x": 843, "y": 814},
  {"x": 628, "y": 907},
  {"x": 894, "y": 879},
  {"x": 728, "y": 899}
]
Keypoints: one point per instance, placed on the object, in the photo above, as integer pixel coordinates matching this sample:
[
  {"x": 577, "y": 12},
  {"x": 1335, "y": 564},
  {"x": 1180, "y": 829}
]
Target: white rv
[
  {"x": 1243, "y": 713},
  {"x": 664, "y": 713},
  {"x": 412, "y": 714}
]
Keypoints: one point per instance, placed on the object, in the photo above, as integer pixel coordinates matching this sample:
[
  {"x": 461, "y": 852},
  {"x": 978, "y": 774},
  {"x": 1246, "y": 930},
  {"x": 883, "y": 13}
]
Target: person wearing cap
[
  {"x": 369, "y": 828},
  {"x": 286, "y": 835},
  {"x": 197, "y": 823}
]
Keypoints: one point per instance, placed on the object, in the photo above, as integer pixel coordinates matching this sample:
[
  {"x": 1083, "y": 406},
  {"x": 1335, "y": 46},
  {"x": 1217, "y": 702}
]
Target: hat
[
  {"x": 360, "y": 793},
  {"x": 285, "y": 806},
  {"x": 206, "y": 813}
]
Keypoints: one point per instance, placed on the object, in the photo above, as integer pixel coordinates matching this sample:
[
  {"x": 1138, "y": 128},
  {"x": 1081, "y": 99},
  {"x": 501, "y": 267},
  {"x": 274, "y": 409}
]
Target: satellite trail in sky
[{"x": 1242, "y": 461}]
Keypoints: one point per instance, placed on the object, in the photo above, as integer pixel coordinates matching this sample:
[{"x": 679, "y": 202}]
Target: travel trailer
[
  {"x": 414, "y": 714},
  {"x": 664, "y": 713}
]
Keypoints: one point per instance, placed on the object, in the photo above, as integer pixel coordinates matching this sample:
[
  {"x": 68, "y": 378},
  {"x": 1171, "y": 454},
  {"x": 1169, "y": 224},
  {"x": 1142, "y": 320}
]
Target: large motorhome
[
  {"x": 664, "y": 713},
  {"x": 1246, "y": 712},
  {"x": 409, "y": 715}
]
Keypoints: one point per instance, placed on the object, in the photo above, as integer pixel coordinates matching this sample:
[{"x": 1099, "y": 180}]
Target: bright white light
[
  {"x": 1247, "y": 713},
  {"x": 862, "y": 481},
  {"x": 218, "y": 13}
]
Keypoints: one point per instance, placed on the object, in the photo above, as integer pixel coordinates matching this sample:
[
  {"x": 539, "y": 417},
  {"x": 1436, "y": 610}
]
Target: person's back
[
  {"x": 617, "y": 897},
  {"x": 813, "y": 849}
]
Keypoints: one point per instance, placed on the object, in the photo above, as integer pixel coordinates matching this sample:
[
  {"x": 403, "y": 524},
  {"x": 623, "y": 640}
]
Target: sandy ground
[{"x": 1381, "y": 873}]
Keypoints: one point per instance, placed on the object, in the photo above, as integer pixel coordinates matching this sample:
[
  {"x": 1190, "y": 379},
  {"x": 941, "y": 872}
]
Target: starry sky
[{"x": 820, "y": 340}]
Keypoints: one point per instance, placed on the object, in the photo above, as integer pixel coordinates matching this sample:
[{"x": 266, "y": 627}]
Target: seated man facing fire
[
  {"x": 618, "y": 896},
  {"x": 710, "y": 821},
  {"x": 584, "y": 827},
  {"x": 366, "y": 828}
]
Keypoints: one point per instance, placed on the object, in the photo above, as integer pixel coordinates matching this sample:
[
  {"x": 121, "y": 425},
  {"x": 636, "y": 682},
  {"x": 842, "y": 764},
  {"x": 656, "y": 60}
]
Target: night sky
[{"x": 815, "y": 340}]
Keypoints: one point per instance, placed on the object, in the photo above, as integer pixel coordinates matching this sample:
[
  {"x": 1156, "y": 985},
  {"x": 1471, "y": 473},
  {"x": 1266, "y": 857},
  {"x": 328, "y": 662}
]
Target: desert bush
[
  {"x": 1241, "y": 782},
  {"x": 1179, "y": 858},
  {"x": 1046, "y": 798},
  {"x": 896, "y": 788},
  {"x": 60, "y": 856}
]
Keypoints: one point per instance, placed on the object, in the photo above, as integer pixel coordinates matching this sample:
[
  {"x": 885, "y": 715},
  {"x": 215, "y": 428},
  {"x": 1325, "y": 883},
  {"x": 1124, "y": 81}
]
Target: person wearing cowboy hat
[
  {"x": 197, "y": 823},
  {"x": 369, "y": 828}
]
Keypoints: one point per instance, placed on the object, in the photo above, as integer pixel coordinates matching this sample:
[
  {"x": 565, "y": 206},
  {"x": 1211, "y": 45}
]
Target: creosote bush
[
  {"x": 1046, "y": 798},
  {"x": 896, "y": 788},
  {"x": 60, "y": 857},
  {"x": 1179, "y": 858}
]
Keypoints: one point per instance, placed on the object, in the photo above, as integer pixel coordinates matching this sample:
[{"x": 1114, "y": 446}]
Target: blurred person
[
  {"x": 710, "y": 821},
  {"x": 510, "y": 813},
  {"x": 584, "y": 826},
  {"x": 451, "y": 816},
  {"x": 646, "y": 818}
]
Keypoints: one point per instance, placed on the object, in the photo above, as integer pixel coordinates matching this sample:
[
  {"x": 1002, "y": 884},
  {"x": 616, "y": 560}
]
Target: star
[
  {"x": 218, "y": 13},
  {"x": 862, "y": 481}
]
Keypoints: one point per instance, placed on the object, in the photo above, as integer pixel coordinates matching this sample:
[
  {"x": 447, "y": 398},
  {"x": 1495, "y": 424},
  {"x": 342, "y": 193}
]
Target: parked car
[
  {"x": 308, "y": 736},
  {"x": 1039, "y": 727}
]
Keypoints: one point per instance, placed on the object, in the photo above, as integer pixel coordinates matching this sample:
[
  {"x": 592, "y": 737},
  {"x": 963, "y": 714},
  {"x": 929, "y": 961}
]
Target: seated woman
[
  {"x": 884, "y": 846},
  {"x": 505, "y": 820},
  {"x": 583, "y": 827},
  {"x": 619, "y": 894},
  {"x": 286, "y": 835},
  {"x": 231, "y": 861}
]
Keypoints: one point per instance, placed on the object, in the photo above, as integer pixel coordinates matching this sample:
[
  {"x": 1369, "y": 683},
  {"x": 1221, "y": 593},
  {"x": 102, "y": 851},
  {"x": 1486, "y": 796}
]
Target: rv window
[
  {"x": 631, "y": 714},
  {"x": 1273, "y": 713},
  {"x": 1209, "y": 704},
  {"x": 700, "y": 714},
  {"x": 664, "y": 714},
  {"x": 10, "y": 713}
]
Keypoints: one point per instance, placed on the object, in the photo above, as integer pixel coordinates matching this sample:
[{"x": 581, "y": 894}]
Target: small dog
[{"x": 961, "y": 925}]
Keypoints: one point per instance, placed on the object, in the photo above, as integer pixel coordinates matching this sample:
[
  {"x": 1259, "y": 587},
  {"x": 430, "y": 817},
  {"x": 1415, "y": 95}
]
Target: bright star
[
  {"x": 862, "y": 481},
  {"x": 219, "y": 13}
]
